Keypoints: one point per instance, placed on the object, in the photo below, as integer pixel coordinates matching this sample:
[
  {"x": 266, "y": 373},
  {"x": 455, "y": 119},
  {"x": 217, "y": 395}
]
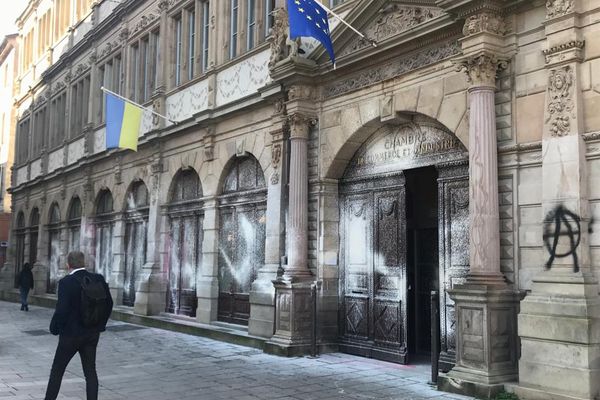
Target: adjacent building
[
  {"x": 9, "y": 57},
  {"x": 457, "y": 156}
]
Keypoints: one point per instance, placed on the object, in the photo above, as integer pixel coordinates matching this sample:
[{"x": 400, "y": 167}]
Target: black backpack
[{"x": 94, "y": 300}]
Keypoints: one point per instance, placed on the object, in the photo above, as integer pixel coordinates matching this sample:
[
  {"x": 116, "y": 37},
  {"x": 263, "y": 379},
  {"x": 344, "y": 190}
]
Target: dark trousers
[
  {"x": 24, "y": 293},
  {"x": 67, "y": 347}
]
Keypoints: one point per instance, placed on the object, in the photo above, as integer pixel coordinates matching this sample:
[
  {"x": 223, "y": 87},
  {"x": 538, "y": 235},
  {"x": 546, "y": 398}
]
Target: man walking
[
  {"x": 82, "y": 311},
  {"x": 25, "y": 284}
]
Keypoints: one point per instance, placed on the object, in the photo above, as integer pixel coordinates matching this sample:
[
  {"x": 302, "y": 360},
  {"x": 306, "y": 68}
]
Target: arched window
[
  {"x": 104, "y": 204},
  {"x": 136, "y": 219},
  {"x": 74, "y": 224},
  {"x": 186, "y": 186},
  {"x": 242, "y": 207},
  {"x": 54, "y": 251},
  {"x": 104, "y": 220},
  {"x": 20, "y": 234},
  {"x": 186, "y": 235}
]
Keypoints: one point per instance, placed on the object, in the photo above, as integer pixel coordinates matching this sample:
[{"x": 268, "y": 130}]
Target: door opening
[{"x": 422, "y": 257}]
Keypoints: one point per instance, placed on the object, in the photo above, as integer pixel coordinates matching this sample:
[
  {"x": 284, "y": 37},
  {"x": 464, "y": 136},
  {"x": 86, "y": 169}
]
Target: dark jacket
[
  {"x": 26, "y": 279},
  {"x": 66, "y": 320}
]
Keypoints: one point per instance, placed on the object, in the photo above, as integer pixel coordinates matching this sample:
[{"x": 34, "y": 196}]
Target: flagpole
[
  {"x": 137, "y": 105},
  {"x": 373, "y": 43}
]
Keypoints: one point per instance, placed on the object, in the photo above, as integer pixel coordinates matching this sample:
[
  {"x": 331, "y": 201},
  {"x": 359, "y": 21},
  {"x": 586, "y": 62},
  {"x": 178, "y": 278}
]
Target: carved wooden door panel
[
  {"x": 374, "y": 279},
  {"x": 358, "y": 266},
  {"x": 186, "y": 239},
  {"x": 453, "y": 186},
  {"x": 53, "y": 260},
  {"x": 241, "y": 254},
  {"x": 135, "y": 257},
  {"x": 389, "y": 276}
]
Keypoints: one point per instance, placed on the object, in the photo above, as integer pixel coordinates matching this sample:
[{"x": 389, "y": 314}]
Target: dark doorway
[{"x": 422, "y": 256}]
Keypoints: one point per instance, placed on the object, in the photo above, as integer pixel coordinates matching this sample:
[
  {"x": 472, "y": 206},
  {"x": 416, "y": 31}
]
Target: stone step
[{"x": 223, "y": 332}]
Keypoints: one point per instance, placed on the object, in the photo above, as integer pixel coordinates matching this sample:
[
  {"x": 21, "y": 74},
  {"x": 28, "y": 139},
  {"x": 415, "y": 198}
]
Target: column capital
[
  {"x": 481, "y": 69},
  {"x": 299, "y": 125}
]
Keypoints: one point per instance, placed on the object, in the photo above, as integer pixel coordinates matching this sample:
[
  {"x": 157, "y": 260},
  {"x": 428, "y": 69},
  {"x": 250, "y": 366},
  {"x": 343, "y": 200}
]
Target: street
[{"x": 136, "y": 362}]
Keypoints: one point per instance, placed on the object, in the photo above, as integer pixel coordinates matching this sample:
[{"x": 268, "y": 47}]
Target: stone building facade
[{"x": 458, "y": 155}]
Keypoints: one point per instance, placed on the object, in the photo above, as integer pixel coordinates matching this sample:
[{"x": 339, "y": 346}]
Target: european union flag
[{"x": 308, "y": 18}]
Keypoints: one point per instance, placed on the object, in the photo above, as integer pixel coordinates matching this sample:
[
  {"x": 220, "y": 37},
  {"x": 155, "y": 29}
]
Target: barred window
[
  {"x": 58, "y": 128},
  {"x": 250, "y": 22},
  {"x": 80, "y": 100},
  {"x": 40, "y": 127},
  {"x": 191, "y": 26},
  {"x": 109, "y": 76},
  {"x": 23, "y": 140},
  {"x": 144, "y": 66}
]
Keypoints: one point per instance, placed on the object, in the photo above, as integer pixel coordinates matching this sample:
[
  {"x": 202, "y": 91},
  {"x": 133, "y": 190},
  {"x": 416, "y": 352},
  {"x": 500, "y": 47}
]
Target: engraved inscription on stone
[{"x": 405, "y": 147}]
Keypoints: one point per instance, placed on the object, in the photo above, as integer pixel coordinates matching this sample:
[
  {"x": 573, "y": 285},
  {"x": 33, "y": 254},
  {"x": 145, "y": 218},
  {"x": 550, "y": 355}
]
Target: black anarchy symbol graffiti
[{"x": 561, "y": 217}]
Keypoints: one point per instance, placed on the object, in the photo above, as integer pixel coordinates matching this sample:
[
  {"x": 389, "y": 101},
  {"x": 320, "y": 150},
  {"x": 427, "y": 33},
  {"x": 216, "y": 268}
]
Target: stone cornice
[{"x": 564, "y": 52}]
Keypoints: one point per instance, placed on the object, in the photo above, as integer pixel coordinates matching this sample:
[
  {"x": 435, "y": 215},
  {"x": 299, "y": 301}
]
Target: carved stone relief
[
  {"x": 484, "y": 22},
  {"x": 276, "y": 150},
  {"x": 145, "y": 21},
  {"x": 109, "y": 48},
  {"x": 396, "y": 68},
  {"x": 561, "y": 107},
  {"x": 556, "y": 8},
  {"x": 392, "y": 20}
]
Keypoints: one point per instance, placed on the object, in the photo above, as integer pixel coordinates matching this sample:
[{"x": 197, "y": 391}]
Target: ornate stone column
[
  {"x": 559, "y": 323},
  {"x": 297, "y": 266},
  {"x": 150, "y": 295},
  {"x": 293, "y": 318},
  {"x": 262, "y": 295},
  {"x": 486, "y": 307}
]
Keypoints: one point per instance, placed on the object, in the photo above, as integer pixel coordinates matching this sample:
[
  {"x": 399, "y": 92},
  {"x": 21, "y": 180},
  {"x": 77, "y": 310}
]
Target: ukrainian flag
[{"x": 123, "y": 121}]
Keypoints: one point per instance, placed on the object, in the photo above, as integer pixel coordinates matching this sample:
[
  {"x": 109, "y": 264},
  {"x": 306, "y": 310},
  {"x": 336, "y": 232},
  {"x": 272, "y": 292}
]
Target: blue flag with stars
[{"x": 308, "y": 18}]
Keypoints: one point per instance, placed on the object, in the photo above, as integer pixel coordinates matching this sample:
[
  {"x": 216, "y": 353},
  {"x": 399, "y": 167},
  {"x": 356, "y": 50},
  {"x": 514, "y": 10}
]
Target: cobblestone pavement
[{"x": 144, "y": 363}]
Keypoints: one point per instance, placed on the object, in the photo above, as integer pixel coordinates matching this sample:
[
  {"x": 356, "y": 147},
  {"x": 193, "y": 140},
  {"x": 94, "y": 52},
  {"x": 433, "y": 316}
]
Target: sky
[{"x": 9, "y": 11}]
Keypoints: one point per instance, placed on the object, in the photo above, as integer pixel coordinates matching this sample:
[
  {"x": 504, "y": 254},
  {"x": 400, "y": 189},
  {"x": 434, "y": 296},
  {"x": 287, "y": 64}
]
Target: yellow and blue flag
[
  {"x": 123, "y": 121},
  {"x": 308, "y": 18}
]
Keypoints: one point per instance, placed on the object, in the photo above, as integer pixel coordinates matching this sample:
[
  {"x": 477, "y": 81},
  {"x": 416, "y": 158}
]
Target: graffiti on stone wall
[{"x": 562, "y": 223}]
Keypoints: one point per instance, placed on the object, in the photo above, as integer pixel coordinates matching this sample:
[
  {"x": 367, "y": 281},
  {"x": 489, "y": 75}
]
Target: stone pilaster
[
  {"x": 150, "y": 294},
  {"x": 262, "y": 295},
  {"x": 559, "y": 323},
  {"x": 486, "y": 307},
  {"x": 117, "y": 263},
  {"x": 208, "y": 282}
]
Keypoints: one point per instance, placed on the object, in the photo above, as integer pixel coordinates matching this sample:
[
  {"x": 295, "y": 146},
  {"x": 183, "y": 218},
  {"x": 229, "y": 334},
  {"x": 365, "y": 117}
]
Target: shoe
[
  {"x": 22, "y": 307},
  {"x": 26, "y": 308}
]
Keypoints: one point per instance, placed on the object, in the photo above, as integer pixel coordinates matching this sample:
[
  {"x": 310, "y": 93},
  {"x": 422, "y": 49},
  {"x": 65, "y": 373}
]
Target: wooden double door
[{"x": 373, "y": 316}]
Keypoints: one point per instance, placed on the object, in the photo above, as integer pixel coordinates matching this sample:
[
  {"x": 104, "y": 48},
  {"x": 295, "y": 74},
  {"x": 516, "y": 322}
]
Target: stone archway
[{"x": 372, "y": 169}]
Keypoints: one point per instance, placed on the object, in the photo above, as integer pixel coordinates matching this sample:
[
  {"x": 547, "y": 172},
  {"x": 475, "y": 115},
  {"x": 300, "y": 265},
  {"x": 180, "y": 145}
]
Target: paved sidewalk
[{"x": 135, "y": 362}]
